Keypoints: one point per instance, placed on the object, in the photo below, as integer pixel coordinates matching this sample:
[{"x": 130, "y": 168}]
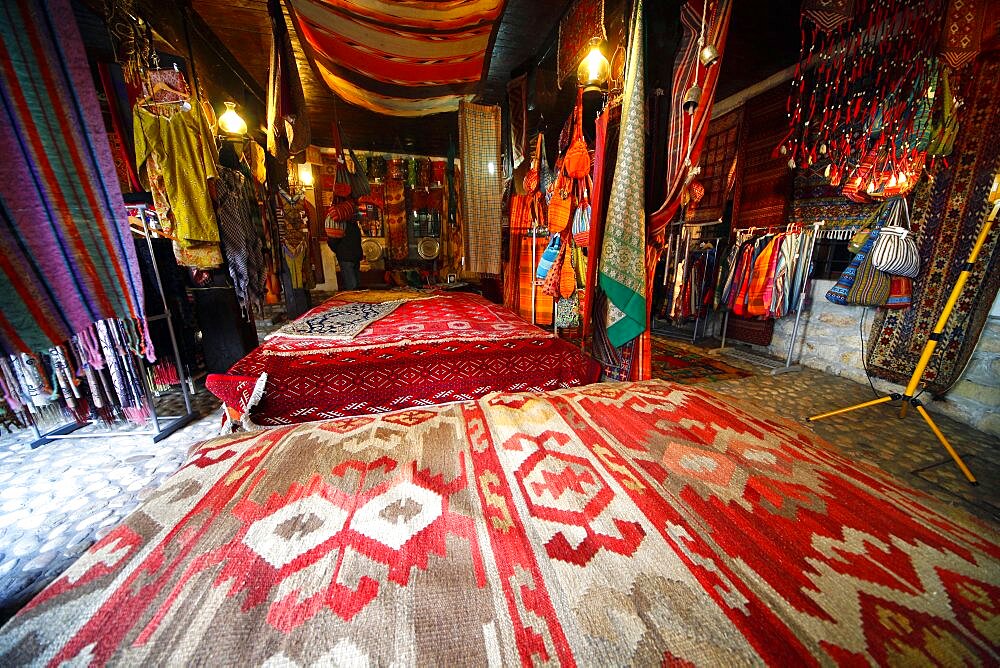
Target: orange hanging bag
[{"x": 576, "y": 162}]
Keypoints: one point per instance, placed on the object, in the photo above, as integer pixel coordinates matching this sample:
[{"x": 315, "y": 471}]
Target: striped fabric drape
[
  {"x": 66, "y": 256},
  {"x": 398, "y": 58},
  {"x": 482, "y": 185}
]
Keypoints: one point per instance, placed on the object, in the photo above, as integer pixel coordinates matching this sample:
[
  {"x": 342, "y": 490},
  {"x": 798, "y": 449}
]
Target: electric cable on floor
[{"x": 864, "y": 361}]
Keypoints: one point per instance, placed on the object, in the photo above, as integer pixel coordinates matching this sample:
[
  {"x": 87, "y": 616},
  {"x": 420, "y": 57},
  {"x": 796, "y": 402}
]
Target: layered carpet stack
[{"x": 615, "y": 524}]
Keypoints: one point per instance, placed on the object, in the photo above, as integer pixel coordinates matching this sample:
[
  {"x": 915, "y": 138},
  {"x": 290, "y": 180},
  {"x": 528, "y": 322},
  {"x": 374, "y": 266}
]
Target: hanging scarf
[
  {"x": 66, "y": 255},
  {"x": 622, "y": 268}
]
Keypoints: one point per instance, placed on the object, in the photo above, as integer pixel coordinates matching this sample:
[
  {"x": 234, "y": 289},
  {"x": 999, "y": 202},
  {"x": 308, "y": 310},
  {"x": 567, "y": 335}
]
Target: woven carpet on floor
[
  {"x": 685, "y": 363},
  {"x": 613, "y": 524}
]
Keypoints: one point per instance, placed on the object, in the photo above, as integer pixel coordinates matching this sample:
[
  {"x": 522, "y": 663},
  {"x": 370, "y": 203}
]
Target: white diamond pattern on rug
[
  {"x": 294, "y": 530},
  {"x": 398, "y": 514}
]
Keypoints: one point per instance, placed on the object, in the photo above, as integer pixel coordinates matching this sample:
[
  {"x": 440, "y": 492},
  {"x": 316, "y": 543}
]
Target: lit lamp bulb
[
  {"x": 230, "y": 121},
  {"x": 306, "y": 175},
  {"x": 594, "y": 69}
]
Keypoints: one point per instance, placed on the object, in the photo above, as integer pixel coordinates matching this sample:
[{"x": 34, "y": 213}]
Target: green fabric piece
[{"x": 623, "y": 253}]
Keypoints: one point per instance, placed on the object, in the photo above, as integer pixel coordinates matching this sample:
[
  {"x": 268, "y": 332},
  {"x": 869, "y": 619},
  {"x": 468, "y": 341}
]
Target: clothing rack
[
  {"x": 674, "y": 243},
  {"x": 806, "y": 248},
  {"x": 163, "y": 426}
]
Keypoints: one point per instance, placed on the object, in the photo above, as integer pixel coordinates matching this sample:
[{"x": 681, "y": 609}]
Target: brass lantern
[{"x": 594, "y": 69}]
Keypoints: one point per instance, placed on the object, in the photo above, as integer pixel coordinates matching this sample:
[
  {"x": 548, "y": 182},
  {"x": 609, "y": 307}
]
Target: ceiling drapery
[{"x": 409, "y": 58}]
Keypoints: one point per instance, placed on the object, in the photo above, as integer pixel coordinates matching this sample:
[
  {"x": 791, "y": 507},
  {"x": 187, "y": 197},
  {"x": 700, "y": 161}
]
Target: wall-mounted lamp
[
  {"x": 230, "y": 122},
  {"x": 594, "y": 69},
  {"x": 306, "y": 175}
]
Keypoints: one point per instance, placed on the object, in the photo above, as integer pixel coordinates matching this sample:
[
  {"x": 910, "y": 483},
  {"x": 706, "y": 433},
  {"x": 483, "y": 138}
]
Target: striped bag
[{"x": 895, "y": 252}]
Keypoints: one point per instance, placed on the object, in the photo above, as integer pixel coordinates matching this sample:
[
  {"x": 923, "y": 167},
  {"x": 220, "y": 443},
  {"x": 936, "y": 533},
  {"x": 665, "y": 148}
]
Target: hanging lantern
[
  {"x": 306, "y": 175},
  {"x": 709, "y": 55},
  {"x": 231, "y": 122},
  {"x": 691, "y": 98},
  {"x": 594, "y": 69}
]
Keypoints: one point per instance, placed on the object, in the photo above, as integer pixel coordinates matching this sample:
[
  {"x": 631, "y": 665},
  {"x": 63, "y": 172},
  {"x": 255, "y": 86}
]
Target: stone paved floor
[
  {"x": 904, "y": 447},
  {"x": 55, "y": 501},
  {"x": 59, "y": 498}
]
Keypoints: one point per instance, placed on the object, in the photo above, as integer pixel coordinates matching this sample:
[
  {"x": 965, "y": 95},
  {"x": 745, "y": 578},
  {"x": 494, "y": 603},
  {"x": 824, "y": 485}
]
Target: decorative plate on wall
[
  {"x": 428, "y": 248},
  {"x": 372, "y": 248}
]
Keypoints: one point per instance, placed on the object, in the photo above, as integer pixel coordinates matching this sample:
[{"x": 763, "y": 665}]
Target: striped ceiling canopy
[{"x": 399, "y": 57}]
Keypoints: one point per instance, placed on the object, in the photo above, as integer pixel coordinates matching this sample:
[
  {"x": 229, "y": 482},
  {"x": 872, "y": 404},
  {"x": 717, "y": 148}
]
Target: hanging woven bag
[
  {"x": 576, "y": 162},
  {"x": 549, "y": 256},
  {"x": 871, "y": 286},
  {"x": 581, "y": 218},
  {"x": 895, "y": 251},
  {"x": 560, "y": 206}
]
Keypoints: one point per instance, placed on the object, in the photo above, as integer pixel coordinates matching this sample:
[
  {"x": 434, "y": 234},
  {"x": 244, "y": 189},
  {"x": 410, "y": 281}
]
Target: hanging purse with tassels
[
  {"x": 561, "y": 205},
  {"x": 895, "y": 251},
  {"x": 576, "y": 162}
]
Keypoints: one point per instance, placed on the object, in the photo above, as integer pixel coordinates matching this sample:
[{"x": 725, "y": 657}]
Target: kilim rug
[
  {"x": 615, "y": 524},
  {"x": 684, "y": 363},
  {"x": 340, "y": 323},
  {"x": 948, "y": 211},
  {"x": 482, "y": 187},
  {"x": 764, "y": 185}
]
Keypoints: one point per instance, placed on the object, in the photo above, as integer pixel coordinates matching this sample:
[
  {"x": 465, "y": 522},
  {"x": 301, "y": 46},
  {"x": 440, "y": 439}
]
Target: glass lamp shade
[
  {"x": 305, "y": 175},
  {"x": 594, "y": 69},
  {"x": 231, "y": 122}
]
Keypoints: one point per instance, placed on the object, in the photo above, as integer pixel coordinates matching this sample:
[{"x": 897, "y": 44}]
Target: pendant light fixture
[
  {"x": 230, "y": 122},
  {"x": 594, "y": 69}
]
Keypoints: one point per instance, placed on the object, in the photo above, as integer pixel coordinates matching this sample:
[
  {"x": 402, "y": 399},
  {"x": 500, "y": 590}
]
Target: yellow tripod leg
[
  {"x": 873, "y": 402},
  {"x": 947, "y": 446}
]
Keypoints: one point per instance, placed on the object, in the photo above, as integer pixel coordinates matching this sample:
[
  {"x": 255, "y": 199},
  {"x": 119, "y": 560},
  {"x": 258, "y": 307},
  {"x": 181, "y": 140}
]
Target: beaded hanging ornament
[{"x": 862, "y": 94}]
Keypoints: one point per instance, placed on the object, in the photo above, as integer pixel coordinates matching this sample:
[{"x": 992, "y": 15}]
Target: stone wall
[{"x": 830, "y": 340}]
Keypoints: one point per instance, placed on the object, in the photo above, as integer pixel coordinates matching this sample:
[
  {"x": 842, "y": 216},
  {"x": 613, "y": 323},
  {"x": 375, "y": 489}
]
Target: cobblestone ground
[
  {"x": 904, "y": 447},
  {"x": 58, "y": 499}
]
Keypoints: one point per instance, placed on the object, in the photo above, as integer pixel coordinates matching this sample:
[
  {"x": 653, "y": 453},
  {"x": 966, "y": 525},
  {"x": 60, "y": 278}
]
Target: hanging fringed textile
[
  {"x": 482, "y": 185},
  {"x": 66, "y": 254},
  {"x": 688, "y": 130},
  {"x": 862, "y": 93},
  {"x": 948, "y": 211},
  {"x": 622, "y": 270},
  {"x": 288, "y": 131},
  {"x": 828, "y": 14},
  {"x": 517, "y": 102},
  {"x": 962, "y": 35}
]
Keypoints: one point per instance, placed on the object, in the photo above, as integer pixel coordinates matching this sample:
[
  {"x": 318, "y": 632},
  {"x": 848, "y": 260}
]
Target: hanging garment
[
  {"x": 240, "y": 240},
  {"x": 185, "y": 153},
  {"x": 762, "y": 279},
  {"x": 623, "y": 256},
  {"x": 294, "y": 257},
  {"x": 63, "y": 232},
  {"x": 288, "y": 129}
]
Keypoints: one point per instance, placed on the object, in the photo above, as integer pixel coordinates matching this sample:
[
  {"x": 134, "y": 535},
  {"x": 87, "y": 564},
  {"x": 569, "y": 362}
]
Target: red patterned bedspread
[{"x": 448, "y": 347}]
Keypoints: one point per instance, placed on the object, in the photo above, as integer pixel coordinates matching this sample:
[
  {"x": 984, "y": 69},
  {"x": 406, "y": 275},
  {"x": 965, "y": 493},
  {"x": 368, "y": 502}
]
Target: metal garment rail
[
  {"x": 163, "y": 426},
  {"x": 775, "y": 366}
]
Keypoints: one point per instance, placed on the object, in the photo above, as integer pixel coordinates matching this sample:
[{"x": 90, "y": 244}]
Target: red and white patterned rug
[{"x": 611, "y": 524}]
